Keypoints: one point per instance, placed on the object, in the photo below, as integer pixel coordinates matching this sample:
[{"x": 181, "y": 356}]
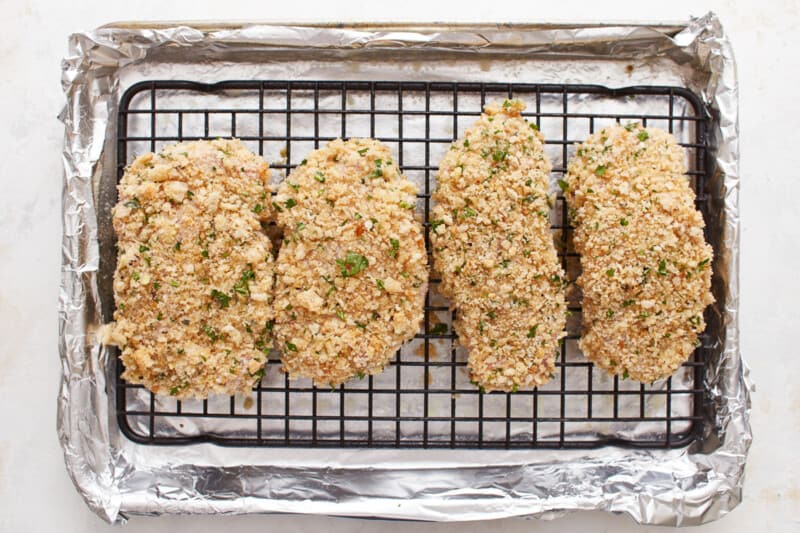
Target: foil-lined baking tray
[{"x": 119, "y": 474}]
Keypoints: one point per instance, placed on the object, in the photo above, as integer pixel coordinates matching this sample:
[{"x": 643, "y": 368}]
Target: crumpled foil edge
[{"x": 669, "y": 487}]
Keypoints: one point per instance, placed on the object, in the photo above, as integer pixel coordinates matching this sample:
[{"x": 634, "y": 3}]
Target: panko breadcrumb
[
  {"x": 194, "y": 278},
  {"x": 646, "y": 268},
  {"x": 492, "y": 245},
  {"x": 352, "y": 270}
]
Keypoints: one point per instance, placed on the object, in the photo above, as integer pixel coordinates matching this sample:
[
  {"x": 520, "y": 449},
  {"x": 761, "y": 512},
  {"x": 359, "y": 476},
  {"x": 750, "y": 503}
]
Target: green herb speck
[
  {"x": 394, "y": 250},
  {"x": 211, "y": 332},
  {"x": 352, "y": 264},
  {"x": 243, "y": 285},
  {"x": 439, "y": 329},
  {"x": 223, "y": 300}
]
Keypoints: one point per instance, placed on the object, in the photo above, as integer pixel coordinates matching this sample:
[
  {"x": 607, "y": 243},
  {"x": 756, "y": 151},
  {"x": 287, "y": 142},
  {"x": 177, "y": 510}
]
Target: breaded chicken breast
[
  {"x": 646, "y": 266},
  {"x": 492, "y": 245},
  {"x": 194, "y": 278},
  {"x": 352, "y": 273}
]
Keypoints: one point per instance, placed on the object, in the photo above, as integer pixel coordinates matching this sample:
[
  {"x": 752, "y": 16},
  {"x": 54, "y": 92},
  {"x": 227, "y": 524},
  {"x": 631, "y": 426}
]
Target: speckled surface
[{"x": 35, "y": 493}]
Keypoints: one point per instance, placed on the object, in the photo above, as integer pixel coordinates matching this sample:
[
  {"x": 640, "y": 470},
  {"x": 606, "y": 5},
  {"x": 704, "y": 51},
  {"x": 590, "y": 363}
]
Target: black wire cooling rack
[{"x": 424, "y": 398}]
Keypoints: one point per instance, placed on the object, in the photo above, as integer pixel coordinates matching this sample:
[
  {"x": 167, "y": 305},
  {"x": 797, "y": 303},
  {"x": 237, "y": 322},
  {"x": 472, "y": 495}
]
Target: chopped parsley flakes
[
  {"x": 352, "y": 264},
  {"x": 211, "y": 332},
  {"x": 435, "y": 224},
  {"x": 223, "y": 299},
  {"x": 394, "y": 250},
  {"x": 243, "y": 285},
  {"x": 439, "y": 329}
]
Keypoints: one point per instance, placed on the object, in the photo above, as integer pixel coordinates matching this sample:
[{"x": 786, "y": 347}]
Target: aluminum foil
[{"x": 118, "y": 478}]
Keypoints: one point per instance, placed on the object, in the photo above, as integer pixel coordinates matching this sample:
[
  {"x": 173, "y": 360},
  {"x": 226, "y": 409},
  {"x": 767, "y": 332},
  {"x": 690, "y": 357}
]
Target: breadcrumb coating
[
  {"x": 492, "y": 245},
  {"x": 194, "y": 278},
  {"x": 646, "y": 268},
  {"x": 352, "y": 271}
]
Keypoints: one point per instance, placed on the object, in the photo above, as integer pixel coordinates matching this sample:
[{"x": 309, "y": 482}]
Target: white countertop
[{"x": 35, "y": 493}]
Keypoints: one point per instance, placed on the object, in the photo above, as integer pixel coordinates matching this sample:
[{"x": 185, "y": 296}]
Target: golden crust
[
  {"x": 194, "y": 278},
  {"x": 494, "y": 250},
  {"x": 352, "y": 273},
  {"x": 646, "y": 268}
]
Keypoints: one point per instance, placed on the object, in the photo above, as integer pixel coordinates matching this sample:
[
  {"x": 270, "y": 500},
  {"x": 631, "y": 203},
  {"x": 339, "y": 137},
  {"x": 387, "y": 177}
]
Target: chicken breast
[
  {"x": 352, "y": 273},
  {"x": 492, "y": 245},
  {"x": 194, "y": 278},
  {"x": 646, "y": 267}
]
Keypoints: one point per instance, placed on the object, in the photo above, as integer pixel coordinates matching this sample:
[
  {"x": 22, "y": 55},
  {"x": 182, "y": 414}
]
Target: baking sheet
[{"x": 118, "y": 477}]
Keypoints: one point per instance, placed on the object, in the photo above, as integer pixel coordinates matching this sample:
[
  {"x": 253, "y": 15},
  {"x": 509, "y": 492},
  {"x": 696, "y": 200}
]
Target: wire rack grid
[{"x": 424, "y": 398}]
